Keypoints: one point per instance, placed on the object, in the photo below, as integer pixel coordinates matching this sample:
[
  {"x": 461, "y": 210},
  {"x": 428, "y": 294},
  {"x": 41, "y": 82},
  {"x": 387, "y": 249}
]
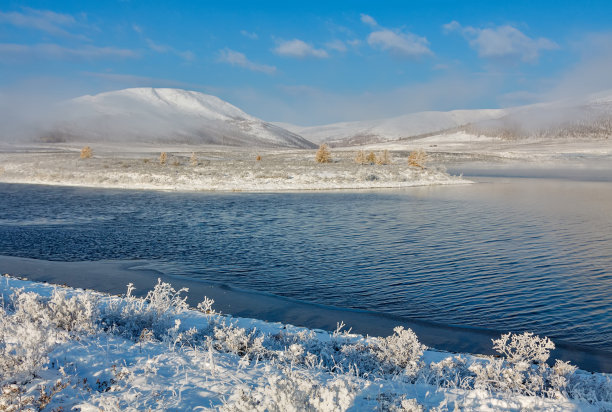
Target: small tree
[
  {"x": 86, "y": 152},
  {"x": 384, "y": 159},
  {"x": 417, "y": 158},
  {"x": 371, "y": 158},
  {"x": 360, "y": 158},
  {"x": 323, "y": 154},
  {"x": 163, "y": 158}
]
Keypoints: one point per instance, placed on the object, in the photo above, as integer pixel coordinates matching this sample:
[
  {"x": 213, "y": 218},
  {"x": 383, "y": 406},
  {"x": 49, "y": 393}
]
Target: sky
[{"x": 310, "y": 63}]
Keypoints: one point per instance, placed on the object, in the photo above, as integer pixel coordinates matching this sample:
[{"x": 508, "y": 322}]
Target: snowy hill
[
  {"x": 586, "y": 117},
  {"x": 152, "y": 115},
  {"x": 409, "y": 125}
]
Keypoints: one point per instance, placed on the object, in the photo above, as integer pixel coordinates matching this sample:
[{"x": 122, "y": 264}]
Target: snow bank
[
  {"x": 73, "y": 349},
  {"x": 206, "y": 171}
]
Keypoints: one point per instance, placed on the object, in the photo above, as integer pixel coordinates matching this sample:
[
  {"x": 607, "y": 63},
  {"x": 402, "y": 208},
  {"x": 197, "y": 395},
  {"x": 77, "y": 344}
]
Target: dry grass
[
  {"x": 163, "y": 158},
  {"x": 417, "y": 158},
  {"x": 86, "y": 152},
  {"x": 323, "y": 154}
]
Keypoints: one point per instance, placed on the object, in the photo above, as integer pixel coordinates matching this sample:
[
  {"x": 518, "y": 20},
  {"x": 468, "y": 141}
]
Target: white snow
[{"x": 81, "y": 350}]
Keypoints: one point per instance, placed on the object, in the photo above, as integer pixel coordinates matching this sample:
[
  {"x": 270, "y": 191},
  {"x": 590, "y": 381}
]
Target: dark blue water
[{"x": 508, "y": 255}]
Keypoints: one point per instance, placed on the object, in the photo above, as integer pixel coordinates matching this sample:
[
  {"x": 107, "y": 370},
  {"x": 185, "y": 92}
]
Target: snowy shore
[
  {"x": 83, "y": 350},
  {"x": 190, "y": 169}
]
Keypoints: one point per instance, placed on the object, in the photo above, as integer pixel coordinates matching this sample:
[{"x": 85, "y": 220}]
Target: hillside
[{"x": 149, "y": 115}]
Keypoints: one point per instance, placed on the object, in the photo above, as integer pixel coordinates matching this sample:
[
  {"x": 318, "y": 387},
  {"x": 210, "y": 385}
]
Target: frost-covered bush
[
  {"x": 294, "y": 390},
  {"x": 238, "y": 340},
  {"x": 34, "y": 324},
  {"x": 523, "y": 370},
  {"x": 155, "y": 312},
  {"x": 525, "y": 348},
  {"x": 402, "y": 351}
]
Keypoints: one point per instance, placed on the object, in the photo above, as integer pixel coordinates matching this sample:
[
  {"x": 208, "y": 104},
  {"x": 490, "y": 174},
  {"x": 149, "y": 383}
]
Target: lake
[{"x": 505, "y": 254}]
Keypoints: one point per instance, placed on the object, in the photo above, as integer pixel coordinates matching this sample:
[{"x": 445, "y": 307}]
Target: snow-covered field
[
  {"x": 222, "y": 169},
  {"x": 69, "y": 349}
]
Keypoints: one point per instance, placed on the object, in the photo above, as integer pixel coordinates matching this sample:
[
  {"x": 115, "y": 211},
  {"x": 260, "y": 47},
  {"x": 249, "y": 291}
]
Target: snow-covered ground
[
  {"x": 69, "y": 349},
  {"x": 222, "y": 169}
]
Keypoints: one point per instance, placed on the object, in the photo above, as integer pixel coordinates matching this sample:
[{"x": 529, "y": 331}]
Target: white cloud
[
  {"x": 160, "y": 48},
  {"x": 250, "y": 35},
  {"x": 337, "y": 45},
  {"x": 186, "y": 55},
  {"x": 299, "y": 49},
  {"x": 402, "y": 44},
  {"x": 502, "y": 42},
  {"x": 369, "y": 20},
  {"x": 43, "y": 20},
  {"x": 19, "y": 52},
  {"x": 239, "y": 59}
]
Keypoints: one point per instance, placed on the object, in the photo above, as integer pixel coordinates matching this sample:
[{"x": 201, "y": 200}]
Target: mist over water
[{"x": 520, "y": 254}]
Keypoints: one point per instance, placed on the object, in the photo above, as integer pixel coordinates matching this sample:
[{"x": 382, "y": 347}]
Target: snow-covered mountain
[
  {"x": 164, "y": 115},
  {"x": 406, "y": 126}
]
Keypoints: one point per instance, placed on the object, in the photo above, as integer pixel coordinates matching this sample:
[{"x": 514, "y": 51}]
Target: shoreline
[{"x": 113, "y": 276}]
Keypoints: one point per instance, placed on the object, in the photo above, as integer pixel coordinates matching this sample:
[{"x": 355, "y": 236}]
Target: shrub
[
  {"x": 193, "y": 160},
  {"x": 323, "y": 155},
  {"x": 86, "y": 152},
  {"x": 163, "y": 158},
  {"x": 371, "y": 158},
  {"x": 417, "y": 158},
  {"x": 258, "y": 158},
  {"x": 524, "y": 370},
  {"x": 156, "y": 312}
]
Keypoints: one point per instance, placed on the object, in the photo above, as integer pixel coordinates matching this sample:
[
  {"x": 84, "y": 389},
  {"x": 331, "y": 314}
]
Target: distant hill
[{"x": 166, "y": 116}]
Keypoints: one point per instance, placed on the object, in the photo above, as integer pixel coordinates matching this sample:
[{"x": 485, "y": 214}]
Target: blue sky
[{"x": 311, "y": 62}]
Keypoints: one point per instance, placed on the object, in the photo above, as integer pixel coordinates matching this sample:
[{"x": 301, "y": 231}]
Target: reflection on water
[{"x": 509, "y": 255}]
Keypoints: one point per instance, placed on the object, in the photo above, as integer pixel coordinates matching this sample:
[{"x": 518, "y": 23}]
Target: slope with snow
[
  {"x": 149, "y": 115},
  {"x": 69, "y": 349}
]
